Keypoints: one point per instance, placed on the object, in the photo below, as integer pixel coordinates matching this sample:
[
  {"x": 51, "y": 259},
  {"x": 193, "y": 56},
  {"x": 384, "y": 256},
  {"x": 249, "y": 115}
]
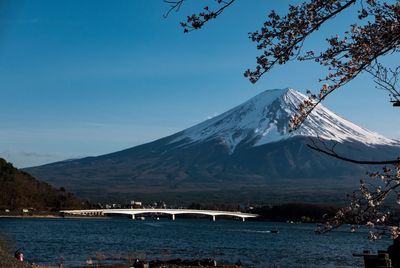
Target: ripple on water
[{"x": 44, "y": 241}]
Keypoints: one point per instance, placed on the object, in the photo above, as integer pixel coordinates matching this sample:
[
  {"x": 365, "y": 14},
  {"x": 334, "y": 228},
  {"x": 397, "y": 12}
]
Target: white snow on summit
[{"x": 265, "y": 118}]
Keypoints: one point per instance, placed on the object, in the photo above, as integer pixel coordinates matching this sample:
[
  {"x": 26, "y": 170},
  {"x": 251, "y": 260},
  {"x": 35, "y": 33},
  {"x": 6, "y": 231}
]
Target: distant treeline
[
  {"x": 296, "y": 212},
  {"x": 284, "y": 212},
  {"x": 19, "y": 190},
  {"x": 300, "y": 212}
]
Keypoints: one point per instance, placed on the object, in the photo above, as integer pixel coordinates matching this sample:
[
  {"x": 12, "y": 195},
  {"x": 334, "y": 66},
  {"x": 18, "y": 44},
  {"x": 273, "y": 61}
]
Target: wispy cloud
[
  {"x": 213, "y": 115},
  {"x": 23, "y": 159},
  {"x": 36, "y": 155},
  {"x": 36, "y": 145}
]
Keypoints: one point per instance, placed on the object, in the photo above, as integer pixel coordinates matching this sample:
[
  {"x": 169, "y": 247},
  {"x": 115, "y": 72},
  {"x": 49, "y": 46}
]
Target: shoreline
[
  {"x": 30, "y": 216},
  {"x": 51, "y": 217}
]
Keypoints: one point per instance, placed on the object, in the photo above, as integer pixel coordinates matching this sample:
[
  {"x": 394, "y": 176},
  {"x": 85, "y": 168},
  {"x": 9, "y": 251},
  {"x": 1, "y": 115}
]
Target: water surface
[{"x": 44, "y": 241}]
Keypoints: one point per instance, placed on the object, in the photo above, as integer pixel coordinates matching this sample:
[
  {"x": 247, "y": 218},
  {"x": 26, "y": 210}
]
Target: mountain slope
[
  {"x": 18, "y": 189},
  {"x": 245, "y": 151}
]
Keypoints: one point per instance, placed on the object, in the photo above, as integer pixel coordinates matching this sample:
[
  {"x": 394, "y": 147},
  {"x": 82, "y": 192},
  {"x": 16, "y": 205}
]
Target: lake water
[{"x": 44, "y": 241}]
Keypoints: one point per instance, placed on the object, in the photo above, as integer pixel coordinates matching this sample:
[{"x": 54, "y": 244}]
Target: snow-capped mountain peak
[
  {"x": 248, "y": 145},
  {"x": 265, "y": 118}
]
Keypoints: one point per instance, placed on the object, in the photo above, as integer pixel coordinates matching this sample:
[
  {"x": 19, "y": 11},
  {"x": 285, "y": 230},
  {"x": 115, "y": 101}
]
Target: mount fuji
[
  {"x": 244, "y": 154},
  {"x": 265, "y": 119}
]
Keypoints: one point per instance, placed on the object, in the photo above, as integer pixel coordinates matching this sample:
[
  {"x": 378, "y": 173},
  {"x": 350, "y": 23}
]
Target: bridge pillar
[
  {"x": 133, "y": 216},
  {"x": 213, "y": 217},
  {"x": 243, "y": 219},
  {"x": 173, "y": 217}
]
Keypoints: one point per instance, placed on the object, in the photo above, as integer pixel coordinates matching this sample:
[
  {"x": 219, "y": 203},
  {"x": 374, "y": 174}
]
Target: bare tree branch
[
  {"x": 386, "y": 79},
  {"x": 197, "y": 21},
  {"x": 174, "y": 6},
  {"x": 362, "y": 162},
  {"x": 356, "y": 52},
  {"x": 281, "y": 39}
]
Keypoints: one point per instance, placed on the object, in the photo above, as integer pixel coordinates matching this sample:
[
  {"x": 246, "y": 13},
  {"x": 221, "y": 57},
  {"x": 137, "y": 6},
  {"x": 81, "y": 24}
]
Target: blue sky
[{"x": 82, "y": 78}]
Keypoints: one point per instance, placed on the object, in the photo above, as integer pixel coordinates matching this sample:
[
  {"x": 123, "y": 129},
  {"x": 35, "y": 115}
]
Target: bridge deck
[{"x": 171, "y": 212}]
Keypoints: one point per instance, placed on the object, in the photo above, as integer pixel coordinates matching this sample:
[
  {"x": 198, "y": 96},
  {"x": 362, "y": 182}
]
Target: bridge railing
[{"x": 172, "y": 212}]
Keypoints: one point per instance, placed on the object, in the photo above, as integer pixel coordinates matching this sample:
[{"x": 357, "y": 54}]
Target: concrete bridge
[{"x": 172, "y": 212}]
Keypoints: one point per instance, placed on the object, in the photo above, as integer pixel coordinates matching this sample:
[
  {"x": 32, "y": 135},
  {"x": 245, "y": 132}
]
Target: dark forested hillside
[{"x": 18, "y": 189}]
